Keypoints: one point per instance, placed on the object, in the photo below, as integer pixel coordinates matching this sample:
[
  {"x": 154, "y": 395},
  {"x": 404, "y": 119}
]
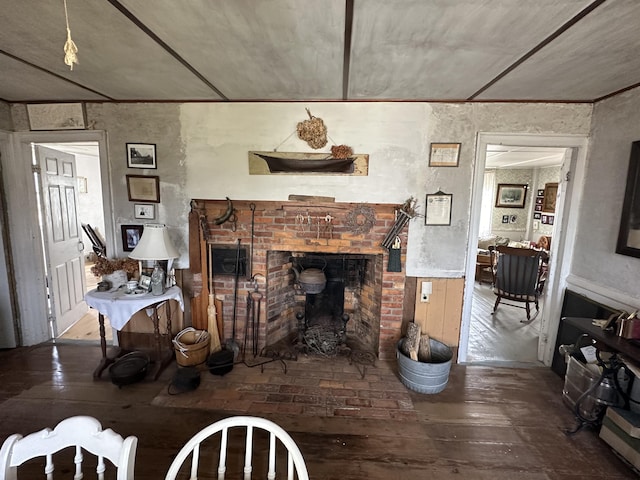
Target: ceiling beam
[
  {"x": 563, "y": 28},
  {"x": 166, "y": 47},
  {"x": 346, "y": 62}
]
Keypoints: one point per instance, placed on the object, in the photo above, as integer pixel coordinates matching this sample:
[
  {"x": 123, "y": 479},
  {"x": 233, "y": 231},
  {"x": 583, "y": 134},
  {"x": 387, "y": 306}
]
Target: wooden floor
[
  {"x": 503, "y": 336},
  {"x": 489, "y": 422}
]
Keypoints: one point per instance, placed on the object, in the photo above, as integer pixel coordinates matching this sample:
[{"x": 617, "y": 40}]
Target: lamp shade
[{"x": 154, "y": 244}]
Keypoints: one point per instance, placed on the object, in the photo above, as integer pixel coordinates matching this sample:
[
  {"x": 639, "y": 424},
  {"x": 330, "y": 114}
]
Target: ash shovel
[{"x": 231, "y": 343}]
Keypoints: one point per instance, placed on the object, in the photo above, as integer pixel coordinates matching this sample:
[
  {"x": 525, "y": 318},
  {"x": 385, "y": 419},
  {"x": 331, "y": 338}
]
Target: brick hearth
[{"x": 278, "y": 227}]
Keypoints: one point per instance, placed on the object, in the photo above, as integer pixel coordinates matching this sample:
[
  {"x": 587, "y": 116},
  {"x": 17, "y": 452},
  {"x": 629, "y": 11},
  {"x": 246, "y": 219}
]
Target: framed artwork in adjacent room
[
  {"x": 444, "y": 154},
  {"x": 549, "y": 198},
  {"x": 511, "y": 195},
  {"x": 143, "y": 188},
  {"x": 629, "y": 234},
  {"x": 131, "y": 236},
  {"x": 141, "y": 155}
]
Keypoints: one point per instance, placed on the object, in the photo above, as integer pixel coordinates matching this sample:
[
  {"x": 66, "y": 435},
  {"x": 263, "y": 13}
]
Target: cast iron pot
[
  {"x": 220, "y": 363},
  {"x": 130, "y": 368}
]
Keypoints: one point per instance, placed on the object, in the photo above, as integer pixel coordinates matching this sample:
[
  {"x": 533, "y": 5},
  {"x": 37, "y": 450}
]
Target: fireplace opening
[{"x": 341, "y": 317}]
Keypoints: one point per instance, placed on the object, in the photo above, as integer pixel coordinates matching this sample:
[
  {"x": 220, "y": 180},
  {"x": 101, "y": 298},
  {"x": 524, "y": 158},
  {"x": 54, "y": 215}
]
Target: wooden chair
[
  {"x": 81, "y": 432},
  {"x": 516, "y": 277},
  {"x": 250, "y": 429}
]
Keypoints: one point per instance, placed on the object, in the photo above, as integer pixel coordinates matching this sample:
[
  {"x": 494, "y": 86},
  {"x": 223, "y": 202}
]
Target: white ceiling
[
  {"x": 311, "y": 50},
  {"x": 502, "y": 156}
]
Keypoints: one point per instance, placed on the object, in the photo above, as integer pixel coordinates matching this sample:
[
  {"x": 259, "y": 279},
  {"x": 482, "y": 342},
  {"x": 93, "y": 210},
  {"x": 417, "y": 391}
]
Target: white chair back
[
  {"x": 277, "y": 436},
  {"x": 82, "y": 432}
]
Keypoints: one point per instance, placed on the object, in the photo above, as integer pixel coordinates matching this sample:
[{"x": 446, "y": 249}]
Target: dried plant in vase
[{"x": 106, "y": 266}]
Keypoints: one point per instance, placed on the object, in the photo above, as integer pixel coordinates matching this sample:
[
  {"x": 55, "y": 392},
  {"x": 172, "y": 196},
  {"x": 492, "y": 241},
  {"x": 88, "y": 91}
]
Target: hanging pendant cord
[{"x": 70, "y": 49}]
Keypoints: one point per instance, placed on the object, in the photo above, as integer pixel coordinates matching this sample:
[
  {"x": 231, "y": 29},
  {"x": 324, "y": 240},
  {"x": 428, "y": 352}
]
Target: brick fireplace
[{"x": 284, "y": 235}]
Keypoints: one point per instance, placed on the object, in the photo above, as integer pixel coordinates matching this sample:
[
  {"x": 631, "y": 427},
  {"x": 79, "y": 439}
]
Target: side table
[{"x": 120, "y": 307}]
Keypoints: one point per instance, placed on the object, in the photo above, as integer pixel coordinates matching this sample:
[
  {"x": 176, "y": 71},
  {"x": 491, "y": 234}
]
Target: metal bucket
[{"x": 424, "y": 377}]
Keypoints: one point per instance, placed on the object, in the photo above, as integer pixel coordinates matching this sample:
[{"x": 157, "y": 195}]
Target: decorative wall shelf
[{"x": 287, "y": 163}]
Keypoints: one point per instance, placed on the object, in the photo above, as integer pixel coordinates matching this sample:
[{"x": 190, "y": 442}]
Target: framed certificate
[
  {"x": 438, "y": 211},
  {"x": 444, "y": 155}
]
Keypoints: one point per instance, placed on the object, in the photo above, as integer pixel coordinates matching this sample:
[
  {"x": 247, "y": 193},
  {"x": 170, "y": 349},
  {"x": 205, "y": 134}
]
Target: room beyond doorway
[{"x": 569, "y": 194}]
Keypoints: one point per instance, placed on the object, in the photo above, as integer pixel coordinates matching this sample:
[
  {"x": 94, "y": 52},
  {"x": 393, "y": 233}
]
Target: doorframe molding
[
  {"x": 24, "y": 231},
  {"x": 562, "y": 247}
]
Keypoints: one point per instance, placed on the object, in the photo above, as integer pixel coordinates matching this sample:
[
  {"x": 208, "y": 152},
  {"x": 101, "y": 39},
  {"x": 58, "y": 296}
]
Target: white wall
[
  {"x": 90, "y": 207},
  {"x": 616, "y": 123}
]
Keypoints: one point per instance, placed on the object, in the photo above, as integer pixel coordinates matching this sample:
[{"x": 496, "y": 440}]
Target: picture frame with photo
[
  {"x": 545, "y": 219},
  {"x": 145, "y": 211},
  {"x": 541, "y": 192},
  {"x": 538, "y": 208},
  {"x": 539, "y": 200},
  {"x": 143, "y": 188},
  {"x": 537, "y": 215},
  {"x": 511, "y": 195},
  {"x": 505, "y": 218},
  {"x": 131, "y": 235},
  {"x": 141, "y": 155}
]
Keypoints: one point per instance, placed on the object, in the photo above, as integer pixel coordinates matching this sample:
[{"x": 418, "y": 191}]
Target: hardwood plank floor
[
  {"x": 501, "y": 336},
  {"x": 489, "y": 423}
]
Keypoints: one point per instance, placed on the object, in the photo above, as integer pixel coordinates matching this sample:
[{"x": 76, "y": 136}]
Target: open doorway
[
  {"x": 506, "y": 335},
  {"x": 568, "y": 197},
  {"x": 85, "y": 156}
]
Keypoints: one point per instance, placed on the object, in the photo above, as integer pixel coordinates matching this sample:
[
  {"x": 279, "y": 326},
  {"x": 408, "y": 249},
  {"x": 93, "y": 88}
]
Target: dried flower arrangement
[
  {"x": 106, "y": 266},
  {"x": 341, "y": 151},
  {"x": 313, "y": 131}
]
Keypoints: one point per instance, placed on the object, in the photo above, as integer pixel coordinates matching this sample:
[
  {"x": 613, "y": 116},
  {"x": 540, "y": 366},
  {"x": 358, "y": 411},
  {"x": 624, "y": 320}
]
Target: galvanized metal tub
[{"x": 425, "y": 377}]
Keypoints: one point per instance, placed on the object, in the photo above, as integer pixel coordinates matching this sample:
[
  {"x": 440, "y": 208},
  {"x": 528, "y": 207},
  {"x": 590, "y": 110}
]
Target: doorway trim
[
  {"x": 562, "y": 247},
  {"x": 28, "y": 256}
]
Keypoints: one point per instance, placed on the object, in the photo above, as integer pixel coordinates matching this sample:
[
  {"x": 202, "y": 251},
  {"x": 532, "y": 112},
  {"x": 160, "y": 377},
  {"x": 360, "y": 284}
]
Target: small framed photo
[
  {"x": 550, "y": 219},
  {"x": 141, "y": 155},
  {"x": 544, "y": 219},
  {"x": 539, "y": 200},
  {"x": 541, "y": 192},
  {"x": 537, "y": 216},
  {"x": 144, "y": 282},
  {"x": 142, "y": 188},
  {"x": 513, "y": 218},
  {"x": 505, "y": 218},
  {"x": 144, "y": 211},
  {"x": 438, "y": 211},
  {"x": 511, "y": 195},
  {"x": 444, "y": 154},
  {"x": 131, "y": 236},
  {"x": 538, "y": 208}
]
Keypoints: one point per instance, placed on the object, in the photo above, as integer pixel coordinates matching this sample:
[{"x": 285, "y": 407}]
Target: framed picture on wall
[
  {"x": 538, "y": 208},
  {"x": 444, "y": 154},
  {"x": 141, "y": 155},
  {"x": 537, "y": 216},
  {"x": 505, "y": 218},
  {"x": 142, "y": 188},
  {"x": 438, "y": 211},
  {"x": 541, "y": 193},
  {"x": 131, "y": 236},
  {"x": 629, "y": 234},
  {"x": 549, "y": 199},
  {"x": 511, "y": 195},
  {"x": 144, "y": 210}
]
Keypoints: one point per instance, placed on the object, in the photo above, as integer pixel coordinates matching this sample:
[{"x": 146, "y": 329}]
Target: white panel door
[{"x": 63, "y": 237}]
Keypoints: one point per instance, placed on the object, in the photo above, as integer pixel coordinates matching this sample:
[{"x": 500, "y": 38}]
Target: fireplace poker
[{"x": 231, "y": 343}]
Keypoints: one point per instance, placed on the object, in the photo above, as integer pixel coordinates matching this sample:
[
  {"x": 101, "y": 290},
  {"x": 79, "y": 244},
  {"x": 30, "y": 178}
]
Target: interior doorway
[
  {"x": 538, "y": 337},
  {"x": 90, "y": 211},
  {"x": 507, "y": 335}
]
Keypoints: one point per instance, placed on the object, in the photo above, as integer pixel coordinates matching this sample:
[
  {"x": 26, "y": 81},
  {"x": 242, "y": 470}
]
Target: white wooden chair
[
  {"x": 82, "y": 432},
  {"x": 277, "y": 437}
]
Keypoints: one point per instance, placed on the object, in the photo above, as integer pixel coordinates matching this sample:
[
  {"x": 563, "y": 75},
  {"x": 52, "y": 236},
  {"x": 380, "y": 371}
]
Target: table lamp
[{"x": 155, "y": 245}]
